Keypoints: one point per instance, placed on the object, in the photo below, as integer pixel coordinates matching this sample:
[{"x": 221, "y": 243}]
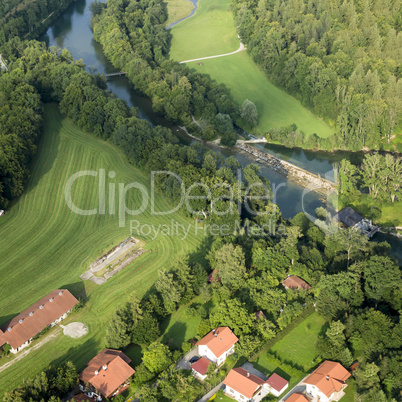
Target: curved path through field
[
  {"x": 240, "y": 49},
  {"x": 26, "y": 352}
]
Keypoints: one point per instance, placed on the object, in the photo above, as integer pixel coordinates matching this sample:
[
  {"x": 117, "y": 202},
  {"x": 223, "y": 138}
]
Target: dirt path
[
  {"x": 21, "y": 355},
  {"x": 240, "y": 49}
]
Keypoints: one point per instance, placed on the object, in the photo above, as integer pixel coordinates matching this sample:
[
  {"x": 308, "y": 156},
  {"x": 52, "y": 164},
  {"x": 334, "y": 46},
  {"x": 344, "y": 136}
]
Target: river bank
[
  {"x": 292, "y": 172},
  {"x": 72, "y": 30}
]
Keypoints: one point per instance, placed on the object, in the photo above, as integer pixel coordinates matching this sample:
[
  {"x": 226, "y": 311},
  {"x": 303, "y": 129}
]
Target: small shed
[
  {"x": 2, "y": 212},
  {"x": 200, "y": 368},
  {"x": 277, "y": 384},
  {"x": 294, "y": 282}
]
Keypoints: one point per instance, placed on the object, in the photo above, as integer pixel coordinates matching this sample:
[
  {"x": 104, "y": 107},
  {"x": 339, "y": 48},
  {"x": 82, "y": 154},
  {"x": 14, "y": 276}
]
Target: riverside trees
[
  {"x": 135, "y": 40},
  {"x": 380, "y": 175}
]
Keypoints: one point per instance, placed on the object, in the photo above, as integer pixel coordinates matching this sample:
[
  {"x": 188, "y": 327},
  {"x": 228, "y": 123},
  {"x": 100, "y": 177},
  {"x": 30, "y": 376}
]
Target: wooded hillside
[{"x": 340, "y": 58}]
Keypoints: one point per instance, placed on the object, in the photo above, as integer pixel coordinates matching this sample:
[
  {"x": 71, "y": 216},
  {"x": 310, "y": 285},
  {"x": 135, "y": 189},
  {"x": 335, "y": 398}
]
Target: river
[{"x": 72, "y": 31}]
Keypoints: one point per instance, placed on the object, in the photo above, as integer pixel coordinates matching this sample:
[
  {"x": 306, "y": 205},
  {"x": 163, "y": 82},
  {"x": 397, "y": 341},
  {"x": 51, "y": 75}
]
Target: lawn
[
  {"x": 46, "y": 246},
  {"x": 275, "y": 107},
  {"x": 298, "y": 347},
  {"x": 209, "y": 32},
  {"x": 177, "y": 9},
  {"x": 180, "y": 326}
]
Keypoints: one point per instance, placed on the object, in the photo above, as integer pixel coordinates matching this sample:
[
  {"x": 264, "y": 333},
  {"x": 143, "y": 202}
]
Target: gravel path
[
  {"x": 240, "y": 49},
  {"x": 22, "y": 354}
]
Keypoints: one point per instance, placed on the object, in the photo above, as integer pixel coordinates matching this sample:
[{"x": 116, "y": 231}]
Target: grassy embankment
[
  {"x": 212, "y": 31},
  {"x": 177, "y": 9},
  {"x": 44, "y": 245}
]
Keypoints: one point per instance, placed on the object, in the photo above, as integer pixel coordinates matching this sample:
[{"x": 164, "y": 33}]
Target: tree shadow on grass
[
  {"x": 134, "y": 352},
  {"x": 77, "y": 289},
  {"x": 175, "y": 336},
  {"x": 80, "y": 355},
  {"x": 201, "y": 252},
  {"x": 48, "y": 146}
]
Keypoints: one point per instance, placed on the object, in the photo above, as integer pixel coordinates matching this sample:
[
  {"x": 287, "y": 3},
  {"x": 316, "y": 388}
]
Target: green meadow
[
  {"x": 211, "y": 31},
  {"x": 45, "y": 246}
]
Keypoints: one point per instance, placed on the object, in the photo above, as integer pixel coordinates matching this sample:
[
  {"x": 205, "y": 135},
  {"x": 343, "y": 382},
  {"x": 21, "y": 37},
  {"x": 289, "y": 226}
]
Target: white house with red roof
[
  {"x": 327, "y": 382},
  {"x": 49, "y": 310},
  {"x": 200, "y": 367},
  {"x": 107, "y": 374},
  {"x": 217, "y": 345},
  {"x": 277, "y": 384},
  {"x": 242, "y": 385}
]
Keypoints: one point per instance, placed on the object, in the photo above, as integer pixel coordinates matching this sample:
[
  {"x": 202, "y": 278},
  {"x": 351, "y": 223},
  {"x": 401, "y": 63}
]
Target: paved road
[{"x": 240, "y": 49}]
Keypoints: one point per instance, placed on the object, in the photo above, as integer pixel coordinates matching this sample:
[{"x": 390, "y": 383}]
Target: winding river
[{"x": 72, "y": 31}]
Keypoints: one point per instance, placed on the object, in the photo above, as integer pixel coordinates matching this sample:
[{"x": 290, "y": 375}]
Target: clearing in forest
[{"x": 211, "y": 31}]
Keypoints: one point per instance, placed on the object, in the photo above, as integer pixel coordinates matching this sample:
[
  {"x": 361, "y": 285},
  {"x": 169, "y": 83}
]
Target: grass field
[
  {"x": 275, "y": 107},
  {"x": 299, "y": 345},
  {"x": 209, "y": 32},
  {"x": 177, "y": 9},
  {"x": 44, "y": 245},
  {"x": 180, "y": 327},
  {"x": 212, "y": 31}
]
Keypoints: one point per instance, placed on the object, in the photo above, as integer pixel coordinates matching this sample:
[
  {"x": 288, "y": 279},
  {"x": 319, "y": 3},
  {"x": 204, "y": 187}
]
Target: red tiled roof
[
  {"x": 212, "y": 276},
  {"x": 116, "y": 373},
  {"x": 201, "y": 365},
  {"x": 294, "y": 282},
  {"x": 220, "y": 342},
  {"x": 328, "y": 377},
  {"x": 243, "y": 382},
  {"x": 277, "y": 382},
  {"x": 37, "y": 317},
  {"x": 297, "y": 397},
  {"x": 259, "y": 314}
]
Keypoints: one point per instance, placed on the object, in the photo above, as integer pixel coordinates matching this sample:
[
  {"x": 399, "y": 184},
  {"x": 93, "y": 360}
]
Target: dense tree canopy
[
  {"x": 340, "y": 58},
  {"x": 20, "y": 125}
]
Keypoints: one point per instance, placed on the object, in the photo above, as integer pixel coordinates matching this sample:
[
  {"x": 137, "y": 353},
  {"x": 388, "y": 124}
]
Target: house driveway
[
  {"x": 184, "y": 363},
  {"x": 299, "y": 387},
  {"x": 250, "y": 368}
]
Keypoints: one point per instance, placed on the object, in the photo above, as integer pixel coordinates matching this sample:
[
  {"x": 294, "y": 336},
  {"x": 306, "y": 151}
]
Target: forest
[
  {"x": 342, "y": 59},
  {"x": 28, "y": 18},
  {"x": 20, "y": 125}
]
